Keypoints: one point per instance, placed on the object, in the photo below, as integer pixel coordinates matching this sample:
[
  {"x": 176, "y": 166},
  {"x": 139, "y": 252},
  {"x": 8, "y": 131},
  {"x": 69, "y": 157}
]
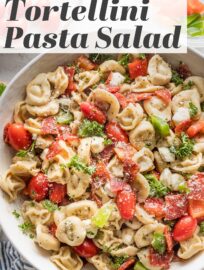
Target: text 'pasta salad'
[{"x": 109, "y": 161}]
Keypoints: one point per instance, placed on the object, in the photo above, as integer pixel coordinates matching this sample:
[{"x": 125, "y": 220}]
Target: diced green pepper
[
  {"x": 102, "y": 216},
  {"x": 160, "y": 125},
  {"x": 65, "y": 118},
  {"x": 139, "y": 266},
  {"x": 159, "y": 243}
]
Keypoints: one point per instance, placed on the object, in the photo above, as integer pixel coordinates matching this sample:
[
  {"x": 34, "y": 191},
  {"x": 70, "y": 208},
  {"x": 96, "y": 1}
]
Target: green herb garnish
[
  {"x": 80, "y": 166},
  {"x": 192, "y": 109},
  {"x": 124, "y": 60},
  {"x": 185, "y": 149},
  {"x": 16, "y": 214},
  {"x": 65, "y": 118},
  {"x": 176, "y": 78},
  {"x": 142, "y": 56},
  {"x": 188, "y": 85},
  {"x": 107, "y": 141},
  {"x": 159, "y": 243},
  {"x": 157, "y": 189},
  {"x": 90, "y": 128},
  {"x": 118, "y": 261},
  {"x": 24, "y": 153},
  {"x": 2, "y": 88},
  {"x": 50, "y": 206},
  {"x": 26, "y": 227},
  {"x": 100, "y": 58}
]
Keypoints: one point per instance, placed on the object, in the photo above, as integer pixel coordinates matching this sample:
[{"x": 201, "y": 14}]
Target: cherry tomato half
[
  {"x": 184, "y": 228},
  {"x": 17, "y": 136},
  {"x": 87, "y": 249},
  {"x": 57, "y": 193},
  {"x": 38, "y": 187},
  {"x": 92, "y": 112},
  {"x": 126, "y": 201},
  {"x": 116, "y": 133}
]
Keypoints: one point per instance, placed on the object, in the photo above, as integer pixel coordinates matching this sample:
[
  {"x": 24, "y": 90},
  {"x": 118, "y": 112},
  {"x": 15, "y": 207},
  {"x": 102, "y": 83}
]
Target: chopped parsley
[
  {"x": 107, "y": 141},
  {"x": 192, "y": 109},
  {"x": 142, "y": 56},
  {"x": 65, "y": 118},
  {"x": 50, "y": 206},
  {"x": 80, "y": 166},
  {"x": 118, "y": 261},
  {"x": 2, "y": 88},
  {"x": 185, "y": 149},
  {"x": 157, "y": 189},
  {"x": 24, "y": 153},
  {"x": 27, "y": 227},
  {"x": 127, "y": 79},
  {"x": 99, "y": 58},
  {"x": 188, "y": 85},
  {"x": 176, "y": 78},
  {"x": 16, "y": 214},
  {"x": 124, "y": 60},
  {"x": 159, "y": 243},
  {"x": 201, "y": 228},
  {"x": 90, "y": 128}
]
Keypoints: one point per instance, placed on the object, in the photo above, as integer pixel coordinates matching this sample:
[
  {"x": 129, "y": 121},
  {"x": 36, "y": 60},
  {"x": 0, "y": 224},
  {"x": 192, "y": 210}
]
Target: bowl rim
[{"x": 19, "y": 73}]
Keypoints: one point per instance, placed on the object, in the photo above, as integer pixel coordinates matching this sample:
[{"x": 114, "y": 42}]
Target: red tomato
[
  {"x": 122, "y": 100},
  {"x": 196, "y": 186},
  {"x": 87, "y": 249},
  {"x": 57, "y": 192},
  {"x": 195, "y": 7},
  {"x": 116, "y": 133},
  {"x": 54, "y": 150},
  {"x": 183, "y": 126},
  {"x": 196, "y": 208},
  {"x": 184, "y": 228},
  {"x": 169, "y": 240},
  {"x": 70, "y": 71},
  {"x": 92, "y": 112},
  {"x": 84, "y": 63},
  {"x": 161, "y": 261},
  {"x": 164, "y": 94},
  {"x": 138, "y": 68},
  {"x": 176, "y": 206},
  {"x": 126, "y": 201},
  {"x": 196, "y": 128},
  {"x": 17, "y": 136},
  {"x": 127, "y": 264},
  {"x": 38, "y": 187},
  {"x": 53, "y": 228},
  {"x": 155, "y": 207},
  {"x": 49, "y": 126}
]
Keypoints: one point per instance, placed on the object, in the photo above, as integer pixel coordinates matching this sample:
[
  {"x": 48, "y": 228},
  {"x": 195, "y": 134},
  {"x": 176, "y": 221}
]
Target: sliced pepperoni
[
  {"x": 155, "y": 207},
  {"x": 196, "y": 186},
  {"x": 49, "y": 126},
  {"x": 162, "y": 261},
  {"x": 176, "y": 206}
]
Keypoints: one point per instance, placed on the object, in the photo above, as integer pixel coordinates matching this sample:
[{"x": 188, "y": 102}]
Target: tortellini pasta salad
[{"x": 109, "y": 163}]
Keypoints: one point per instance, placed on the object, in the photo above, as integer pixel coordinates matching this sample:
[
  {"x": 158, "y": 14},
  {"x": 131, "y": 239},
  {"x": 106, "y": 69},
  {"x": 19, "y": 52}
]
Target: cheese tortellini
[{"x": 107, "y": 162}]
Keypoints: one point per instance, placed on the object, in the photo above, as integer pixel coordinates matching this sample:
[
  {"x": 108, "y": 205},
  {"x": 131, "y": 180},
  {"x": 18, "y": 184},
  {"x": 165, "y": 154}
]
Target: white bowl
[{"x": 16, "y": 92}]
